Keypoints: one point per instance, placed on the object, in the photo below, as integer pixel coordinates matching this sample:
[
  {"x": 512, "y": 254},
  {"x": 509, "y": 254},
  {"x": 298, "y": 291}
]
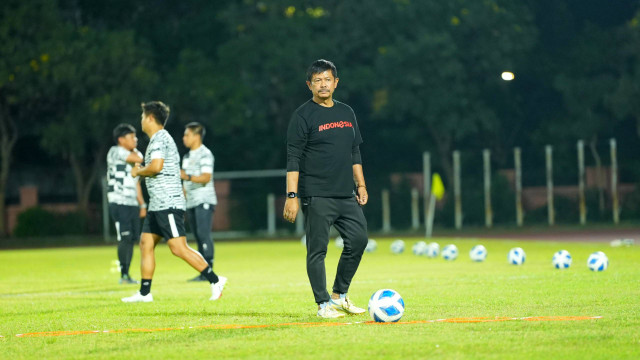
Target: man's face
[
  {"x": 129, "y": 141},
  {"x": 144, "y": 120},
  {"x": 189, "y": 138},
  {"x": 322, "y": 85}
]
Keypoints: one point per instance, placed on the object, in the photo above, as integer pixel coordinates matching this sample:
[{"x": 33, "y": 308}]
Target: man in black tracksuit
[{"x": 323, "y": 161}]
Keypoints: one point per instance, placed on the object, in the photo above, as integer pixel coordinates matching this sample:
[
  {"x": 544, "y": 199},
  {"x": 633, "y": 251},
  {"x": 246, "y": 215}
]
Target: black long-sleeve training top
[{"x": 323, "y": 145}]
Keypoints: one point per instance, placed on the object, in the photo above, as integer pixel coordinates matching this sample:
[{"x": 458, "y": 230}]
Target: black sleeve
[
  {"x": 355, "y": 155},
  {"x": 296, "y": 141},
  {"x": 357, "y": 139}
]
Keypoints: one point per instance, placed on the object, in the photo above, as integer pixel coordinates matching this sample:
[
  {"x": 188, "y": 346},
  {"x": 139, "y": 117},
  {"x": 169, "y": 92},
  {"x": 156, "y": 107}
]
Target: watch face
[{"x": 291, "y": 195}]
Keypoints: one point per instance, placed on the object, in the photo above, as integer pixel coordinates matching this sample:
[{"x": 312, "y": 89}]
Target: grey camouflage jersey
[
  {"x": 165, "y": 188},
  {"x": 195, "y": 163},
  {"x": 123, "y": 188}
]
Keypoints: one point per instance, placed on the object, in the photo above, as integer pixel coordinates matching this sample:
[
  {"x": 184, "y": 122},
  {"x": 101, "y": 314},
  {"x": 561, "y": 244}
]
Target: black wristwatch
[{"x": 292, "y": 195}]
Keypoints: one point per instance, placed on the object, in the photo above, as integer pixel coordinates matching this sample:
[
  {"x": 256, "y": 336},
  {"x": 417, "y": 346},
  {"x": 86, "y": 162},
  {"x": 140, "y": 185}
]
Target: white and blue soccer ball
[
  {"x": 516, "y": 256},
  {"x": 386, "y": 305},
  {"x": 339, "y": 242},
  {"x": 598, "y": 261},
  {"x": 397, "y": 247},
  {"x": 419, "y": 248},
  {"x": 561, "y": 259},
  {"x": 433, "y": 250},
  {"x": 478, "y": 253},
  {"x": 372, "y": 245},
  {"x": 450, "y": 252}
]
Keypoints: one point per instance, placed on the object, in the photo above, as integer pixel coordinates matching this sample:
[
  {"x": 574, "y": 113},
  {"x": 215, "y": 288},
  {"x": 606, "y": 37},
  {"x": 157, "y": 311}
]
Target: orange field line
[{"x": 313, "y": 324}]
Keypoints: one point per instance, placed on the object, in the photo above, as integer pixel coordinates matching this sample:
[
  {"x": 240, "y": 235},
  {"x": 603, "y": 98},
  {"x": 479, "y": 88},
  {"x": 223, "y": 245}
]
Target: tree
[
  {"x": 623, "y": 101},
  {"x": 101, "y": 77},
  {"x": 585, "y": 87},
  {"x": 440, "y": 65},
  {"x": 28, "y": 34},
  {"x": 259, "y": 79}
]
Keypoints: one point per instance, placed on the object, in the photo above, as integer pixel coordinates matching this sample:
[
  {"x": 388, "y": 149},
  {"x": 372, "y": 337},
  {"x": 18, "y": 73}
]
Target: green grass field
[{"x": 73, "y": 289}]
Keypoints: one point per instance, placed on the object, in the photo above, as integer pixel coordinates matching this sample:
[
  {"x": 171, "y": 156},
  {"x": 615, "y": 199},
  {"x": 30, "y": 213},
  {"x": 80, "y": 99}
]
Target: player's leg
[
  {"x": 181, "y": 249},
  {"x": 192, "y": 217},
  {"x": 136, "y": 225},
  {"x": 118, "y": 220},
  {"x": 178, "y": 245},
  {"x": 317, "y": 222},
  {"x": 193, "y": 225},
  {"x": 204, "y": 217},
  {"x": 129, "y": 234},
  {"x": 148, "y": 241},
  {"x": 352, "y": 226}
]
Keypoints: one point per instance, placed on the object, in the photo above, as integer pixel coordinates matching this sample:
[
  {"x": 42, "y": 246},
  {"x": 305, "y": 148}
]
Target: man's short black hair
[
  {"x": 122, "y": 130},
  {"x": 196, "y": 128},
  {"x": 158, "y": 109},
  {"x": 320, "y": 66}
]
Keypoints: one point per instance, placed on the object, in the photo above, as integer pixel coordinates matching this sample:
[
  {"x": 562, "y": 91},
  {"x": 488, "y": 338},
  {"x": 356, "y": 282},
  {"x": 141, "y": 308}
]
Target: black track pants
[
  {"x": 346, "y": 216},
  {"x": 200, "y": 219},
  {"x": 127, "y": 222}
]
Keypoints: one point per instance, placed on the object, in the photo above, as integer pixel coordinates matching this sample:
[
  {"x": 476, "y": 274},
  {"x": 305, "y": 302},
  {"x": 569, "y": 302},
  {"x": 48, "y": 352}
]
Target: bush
[{"x": 37, "y": 221}]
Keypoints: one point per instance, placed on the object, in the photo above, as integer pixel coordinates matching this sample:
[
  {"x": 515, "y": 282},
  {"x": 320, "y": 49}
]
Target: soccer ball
[
  {"x": 478, "y": 253},
  {"x": 598, "y": 261},
  {"x": 372, "y": 245},
  {"x": 303, "y": 240},
  {"x": 450, "y": 252},
  {"x": 516, "y": 256},
  {"x": 386, "y": 305},
  {"x": 561, "y": 259},
  {"x": 339, "y": 242},
  {"x": 397, "y": 247},
  {"x": 433, "y": 249},
  {"x": 419, "y": 248}
]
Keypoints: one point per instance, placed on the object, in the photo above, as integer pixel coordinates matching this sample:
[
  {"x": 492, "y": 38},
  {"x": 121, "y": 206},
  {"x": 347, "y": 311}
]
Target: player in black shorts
[
  {"x": 165, "y": 218},
  {"x": 126, "y": 204}
]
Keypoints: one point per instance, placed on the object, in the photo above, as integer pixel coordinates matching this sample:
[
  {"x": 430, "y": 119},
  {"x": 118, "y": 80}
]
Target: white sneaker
[
  {"x": 216, "y": 289},
  {"x": 328, "y": 312},
  {"x": 137, "y": 297},
  {"x": 346, "y": 306}
]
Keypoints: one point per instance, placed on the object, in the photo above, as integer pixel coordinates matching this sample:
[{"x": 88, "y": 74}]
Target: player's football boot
[
  {"x": 137, "y": 297},
  {"x": 126, "y": 280},
  {"x": 328, "y": 312},
  {"x": 346, "y": 306},
  {"x": 216, "y": 289}
]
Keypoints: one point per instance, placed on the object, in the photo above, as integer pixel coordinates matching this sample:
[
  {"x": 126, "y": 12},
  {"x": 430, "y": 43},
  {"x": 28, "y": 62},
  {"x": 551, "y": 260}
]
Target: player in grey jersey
[
  {"x": 197, "y": 176},
  {"x": 165, "y": 218},
  {"x": 126, "y": 204}
]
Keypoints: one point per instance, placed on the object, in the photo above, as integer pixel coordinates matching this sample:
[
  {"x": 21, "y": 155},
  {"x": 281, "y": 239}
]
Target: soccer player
[
  {"x": 323, "y": 162},
  {"x": 197, "y": 176},
  {"x": 165, "y": 218},
  {"x": 126, "y": 204}
]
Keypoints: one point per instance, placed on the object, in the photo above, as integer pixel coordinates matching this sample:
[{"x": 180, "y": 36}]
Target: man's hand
[
  {"x": 134, "y": 170},
  {"x": 291, "y": 207},
  {"x": 183, "y": 175},
  {"x": 362, "y": 196},
  {"x": 143, "y": 213}
]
